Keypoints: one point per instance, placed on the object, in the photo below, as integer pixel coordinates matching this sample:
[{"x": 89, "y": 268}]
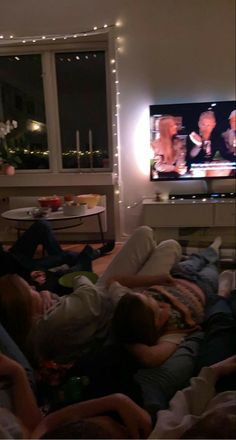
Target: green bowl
[{"x": 67, "y": 279}]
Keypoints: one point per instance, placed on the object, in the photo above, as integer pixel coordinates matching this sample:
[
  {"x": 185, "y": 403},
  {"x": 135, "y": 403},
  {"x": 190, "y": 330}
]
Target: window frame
[{"x": 47, "y": 51}]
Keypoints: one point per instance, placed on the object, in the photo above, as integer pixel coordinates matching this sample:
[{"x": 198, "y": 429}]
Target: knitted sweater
[{"x": 187, "y": 304}]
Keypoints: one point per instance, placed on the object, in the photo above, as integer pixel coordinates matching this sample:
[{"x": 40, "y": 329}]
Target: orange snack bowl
[
  {"x": 53, "y": 202},
  {"x": 90, "y": 199}
]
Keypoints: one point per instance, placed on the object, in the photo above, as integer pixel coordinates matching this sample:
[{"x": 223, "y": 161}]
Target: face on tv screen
[{"x": 193, "y": 141}]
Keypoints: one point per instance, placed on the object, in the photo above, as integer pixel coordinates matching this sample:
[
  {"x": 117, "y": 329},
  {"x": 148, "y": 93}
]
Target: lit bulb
[
  {"x": 11, "y": 36},
  {"x": 95, "y": 28},
  {"x": 43, "y": 37},
  {"x": 113, "y": 61},
  {"x": 105, "y": 25}
]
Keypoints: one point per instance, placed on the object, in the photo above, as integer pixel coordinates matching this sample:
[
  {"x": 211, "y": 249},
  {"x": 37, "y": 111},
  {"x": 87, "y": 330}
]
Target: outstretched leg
[{"x": 201, "y": 268}]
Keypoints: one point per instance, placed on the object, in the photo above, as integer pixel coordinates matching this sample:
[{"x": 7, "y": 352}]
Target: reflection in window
[
  {"x": 22, "y": 100},
  {"x": 81, "y": 83}
]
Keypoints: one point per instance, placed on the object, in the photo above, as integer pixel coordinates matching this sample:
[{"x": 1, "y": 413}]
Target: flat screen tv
[{"x": 193, "y": 141}]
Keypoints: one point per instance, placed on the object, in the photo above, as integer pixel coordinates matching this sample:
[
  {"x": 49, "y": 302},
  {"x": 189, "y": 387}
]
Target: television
[{"x": 193, "y": 141}]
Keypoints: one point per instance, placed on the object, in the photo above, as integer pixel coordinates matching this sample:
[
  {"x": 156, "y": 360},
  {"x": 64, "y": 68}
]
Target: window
[
  {"x": 81, "y": 87},
  {"x": 22, "y": 100},
  {"x": 59, "y": 99}
]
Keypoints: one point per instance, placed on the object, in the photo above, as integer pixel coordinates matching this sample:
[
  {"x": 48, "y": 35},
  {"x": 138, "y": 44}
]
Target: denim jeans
[
  {"x": 159, "y": 384},
  {"x": 40, "y": 233},
  {"x": 201, "y": 269}
]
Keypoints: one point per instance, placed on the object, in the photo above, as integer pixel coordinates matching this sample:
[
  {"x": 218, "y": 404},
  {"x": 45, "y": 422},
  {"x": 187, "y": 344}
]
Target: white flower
[{"x": 7, "y": 127}]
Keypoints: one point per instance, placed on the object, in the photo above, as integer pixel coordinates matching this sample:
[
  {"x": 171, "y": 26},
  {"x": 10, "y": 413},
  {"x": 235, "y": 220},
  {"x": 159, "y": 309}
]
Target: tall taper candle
[
  {"x": 78, "y": 147},
  {"x": 91, "y": 148}
]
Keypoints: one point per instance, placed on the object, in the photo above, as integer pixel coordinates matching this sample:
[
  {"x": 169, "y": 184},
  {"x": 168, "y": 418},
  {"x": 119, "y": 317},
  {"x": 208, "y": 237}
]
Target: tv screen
[{"x": 193, "y": 141}]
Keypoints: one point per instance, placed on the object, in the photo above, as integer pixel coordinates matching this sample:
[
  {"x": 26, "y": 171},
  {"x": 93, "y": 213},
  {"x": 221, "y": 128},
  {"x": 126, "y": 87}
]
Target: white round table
[{"x": 22, "y": 215}]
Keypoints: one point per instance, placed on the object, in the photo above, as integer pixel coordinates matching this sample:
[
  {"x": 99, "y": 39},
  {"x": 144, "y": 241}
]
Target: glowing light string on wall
[
  {"x": 115, "y": 126},
  {"x": 10, "y": 40}
]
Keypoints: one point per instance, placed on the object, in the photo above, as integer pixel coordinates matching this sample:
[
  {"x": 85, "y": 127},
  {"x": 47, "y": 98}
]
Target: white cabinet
[
  {"x": 175, "y": 214},
  {"x": 225, "y": 214}
]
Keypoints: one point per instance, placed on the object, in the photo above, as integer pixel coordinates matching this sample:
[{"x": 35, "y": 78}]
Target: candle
[
  {"x": 91, "y": 148},
  {"x": 78, "y": 147}
]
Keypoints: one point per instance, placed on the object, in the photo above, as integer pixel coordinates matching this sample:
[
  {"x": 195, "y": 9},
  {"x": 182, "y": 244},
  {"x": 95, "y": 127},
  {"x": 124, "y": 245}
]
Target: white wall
[{"x": 173, "y": 51}]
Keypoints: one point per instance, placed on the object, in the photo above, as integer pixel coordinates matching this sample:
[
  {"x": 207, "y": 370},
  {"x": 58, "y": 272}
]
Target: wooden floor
[{"x": 100, "y": 264}]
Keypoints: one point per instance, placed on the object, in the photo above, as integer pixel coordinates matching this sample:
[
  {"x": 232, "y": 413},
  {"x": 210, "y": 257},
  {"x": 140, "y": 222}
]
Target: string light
[{"x": 11, "y": 39}]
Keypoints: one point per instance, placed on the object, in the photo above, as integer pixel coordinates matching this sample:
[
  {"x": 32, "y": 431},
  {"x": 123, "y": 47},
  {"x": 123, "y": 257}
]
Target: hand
[
  {"x": 196, "y": 137},
  {"x": 136, "y": 420},
  {"x": 227, "y": 366},
  {"x": 47, "y": 300},
  {"x": 8, "y": 367}
]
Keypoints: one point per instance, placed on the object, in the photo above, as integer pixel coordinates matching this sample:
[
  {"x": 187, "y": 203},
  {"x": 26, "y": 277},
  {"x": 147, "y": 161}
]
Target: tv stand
[
  {"x": 169, "y": 217},
  {"x": 200, "y": 196}
]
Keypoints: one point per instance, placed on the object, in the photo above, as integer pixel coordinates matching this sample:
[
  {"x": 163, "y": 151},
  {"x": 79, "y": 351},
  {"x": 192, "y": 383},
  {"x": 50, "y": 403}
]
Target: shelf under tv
[{"x": 197, "y": 196}]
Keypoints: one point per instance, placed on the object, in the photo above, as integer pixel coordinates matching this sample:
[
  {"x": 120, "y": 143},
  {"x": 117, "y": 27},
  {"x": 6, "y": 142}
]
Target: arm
[
  {"x": 24, "y": 403},
  {"x": 136, "y": 420},
  {"x": 152, "y": 356},
  {"x": 142, "y": 280}
]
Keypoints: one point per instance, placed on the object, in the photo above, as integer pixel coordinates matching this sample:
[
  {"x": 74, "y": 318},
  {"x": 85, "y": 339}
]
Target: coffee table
[{"x": 23, "y": 218}]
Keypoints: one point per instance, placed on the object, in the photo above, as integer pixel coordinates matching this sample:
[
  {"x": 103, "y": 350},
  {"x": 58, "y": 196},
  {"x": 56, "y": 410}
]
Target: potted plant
[{"x": 8, "y": 161}]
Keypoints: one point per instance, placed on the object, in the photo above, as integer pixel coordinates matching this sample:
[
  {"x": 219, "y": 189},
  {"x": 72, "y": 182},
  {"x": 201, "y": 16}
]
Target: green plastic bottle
[{"x": 71, "y": 391}]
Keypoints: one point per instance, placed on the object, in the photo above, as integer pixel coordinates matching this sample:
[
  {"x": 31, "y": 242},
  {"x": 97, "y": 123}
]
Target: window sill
[{"x": 56, "y": 179}]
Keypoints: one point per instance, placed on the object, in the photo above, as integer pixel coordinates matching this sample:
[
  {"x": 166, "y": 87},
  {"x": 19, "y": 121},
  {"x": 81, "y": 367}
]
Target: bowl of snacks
[
  {"x": 73, "y": 208},
  {"x": 90, "y": 199},
  {"x": 53, "y": 202}
]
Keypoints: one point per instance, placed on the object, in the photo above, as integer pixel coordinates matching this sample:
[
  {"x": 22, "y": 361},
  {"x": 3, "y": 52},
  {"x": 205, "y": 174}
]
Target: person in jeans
[{"x": 20, "y": 258}]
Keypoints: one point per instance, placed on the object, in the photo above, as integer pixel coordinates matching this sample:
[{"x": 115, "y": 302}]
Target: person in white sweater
[{"x": 198, "y": 411}]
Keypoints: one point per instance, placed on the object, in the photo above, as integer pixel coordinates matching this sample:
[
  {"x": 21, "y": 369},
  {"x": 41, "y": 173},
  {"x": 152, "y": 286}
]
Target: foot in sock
[
  {"x": 103, "y": 250},
  {"x": 217, "y": 244},
  {"x": 225, "y": 283}
]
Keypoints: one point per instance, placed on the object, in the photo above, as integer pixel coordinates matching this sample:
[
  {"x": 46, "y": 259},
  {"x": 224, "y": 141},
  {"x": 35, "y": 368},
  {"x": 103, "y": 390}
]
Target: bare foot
[
  {"x": 225, "y": 283},
  {"x": 217, "y": 244}
]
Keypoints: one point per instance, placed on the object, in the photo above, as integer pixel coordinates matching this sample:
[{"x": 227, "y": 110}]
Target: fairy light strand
[{"x": 10, "y": 40}]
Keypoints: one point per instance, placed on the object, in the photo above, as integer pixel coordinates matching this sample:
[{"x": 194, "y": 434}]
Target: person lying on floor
[
  {"x": 159, "y": 384},
  {"x": 67, "y": 328},
  {"x": 20, "y": 258},
  {"x": 152, "y": 323}
]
